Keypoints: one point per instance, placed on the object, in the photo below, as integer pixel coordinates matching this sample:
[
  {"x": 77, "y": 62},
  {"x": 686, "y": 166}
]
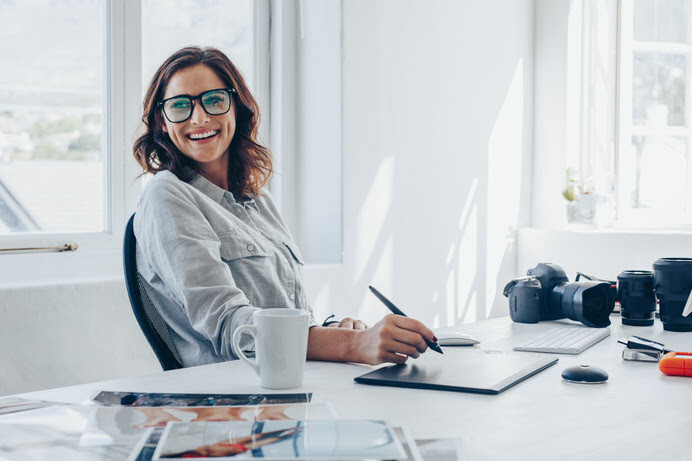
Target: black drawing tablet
[{"x": 465, "y": 370}]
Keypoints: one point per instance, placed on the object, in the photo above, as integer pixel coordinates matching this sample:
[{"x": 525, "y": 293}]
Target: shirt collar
[
  {"x": 216, "y": 193},
  {"x": 208, "y": 188}
]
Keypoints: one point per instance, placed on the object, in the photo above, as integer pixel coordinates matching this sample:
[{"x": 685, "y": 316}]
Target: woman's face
[{"x": 208, "y": 151}]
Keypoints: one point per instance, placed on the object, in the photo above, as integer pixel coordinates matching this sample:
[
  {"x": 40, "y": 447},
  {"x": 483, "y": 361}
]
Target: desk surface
[{"x": 638, "y": 414}]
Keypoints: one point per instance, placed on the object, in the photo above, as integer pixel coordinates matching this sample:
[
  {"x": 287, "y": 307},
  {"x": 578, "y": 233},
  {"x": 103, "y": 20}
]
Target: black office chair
[{"x": 151, "y": 323}]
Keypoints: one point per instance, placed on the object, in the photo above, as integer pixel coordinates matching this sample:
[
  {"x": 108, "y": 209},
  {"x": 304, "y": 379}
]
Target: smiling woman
[{"x": 212, "y": 248}]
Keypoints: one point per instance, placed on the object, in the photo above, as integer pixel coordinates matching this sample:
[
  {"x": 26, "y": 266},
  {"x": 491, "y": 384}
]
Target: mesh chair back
[{"x": 153, "y": 326}]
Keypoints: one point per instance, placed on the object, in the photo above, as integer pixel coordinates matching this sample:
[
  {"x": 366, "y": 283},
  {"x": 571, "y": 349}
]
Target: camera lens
[
  {"x": 673, "y": 283},
  {"x": 588, "y": 302},
  {"x": 636, "y": 295}
]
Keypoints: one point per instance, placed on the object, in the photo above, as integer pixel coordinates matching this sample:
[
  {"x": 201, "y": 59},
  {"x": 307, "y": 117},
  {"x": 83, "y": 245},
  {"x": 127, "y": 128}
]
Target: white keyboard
[{"x": 570, "y": 340}]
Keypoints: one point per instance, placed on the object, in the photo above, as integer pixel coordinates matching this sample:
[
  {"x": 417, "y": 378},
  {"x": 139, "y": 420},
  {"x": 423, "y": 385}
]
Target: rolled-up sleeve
[{"x": 183, "y": 249}]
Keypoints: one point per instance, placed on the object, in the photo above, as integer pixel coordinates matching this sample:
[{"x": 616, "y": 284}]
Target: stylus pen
[{"x": 390, "y": 305}]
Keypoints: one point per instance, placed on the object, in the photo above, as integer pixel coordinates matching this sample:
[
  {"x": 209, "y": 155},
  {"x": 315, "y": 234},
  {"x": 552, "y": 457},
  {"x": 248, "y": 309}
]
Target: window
[
  {"x": 52, "y": 116},
  {"x": 70, "y": 107},
  {"x": 224, "y": 24},
  {"x": 654, "y": 166}
]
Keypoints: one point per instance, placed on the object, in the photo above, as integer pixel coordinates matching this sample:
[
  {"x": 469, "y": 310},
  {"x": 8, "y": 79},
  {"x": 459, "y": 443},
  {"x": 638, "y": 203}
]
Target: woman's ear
[{"x": 161, "y": 121}]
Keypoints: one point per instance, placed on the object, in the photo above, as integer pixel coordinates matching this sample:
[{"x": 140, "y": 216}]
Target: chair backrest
[{"x": 151, "y": 323}]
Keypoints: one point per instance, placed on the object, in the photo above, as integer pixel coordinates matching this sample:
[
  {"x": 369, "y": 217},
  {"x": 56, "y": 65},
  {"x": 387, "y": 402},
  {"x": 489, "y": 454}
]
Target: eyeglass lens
[{"x": 215, "y": 102}]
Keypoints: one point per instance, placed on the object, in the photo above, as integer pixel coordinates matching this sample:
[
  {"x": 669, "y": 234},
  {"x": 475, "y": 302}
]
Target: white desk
[{"x": 638, "y": 414}]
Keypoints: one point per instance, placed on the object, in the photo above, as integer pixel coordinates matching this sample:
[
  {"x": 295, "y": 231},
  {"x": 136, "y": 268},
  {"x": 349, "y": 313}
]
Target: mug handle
[{"x": 252, "y": 331}]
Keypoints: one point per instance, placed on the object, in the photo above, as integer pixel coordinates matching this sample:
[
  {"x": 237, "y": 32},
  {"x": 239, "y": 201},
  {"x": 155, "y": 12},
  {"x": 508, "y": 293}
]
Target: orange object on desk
[{"x": 676, "y": 364}]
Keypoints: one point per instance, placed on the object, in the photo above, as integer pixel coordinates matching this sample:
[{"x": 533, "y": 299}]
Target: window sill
[
  {"x": 607, "y": 231},
  {"x": 600, "y": 252},
  {"x": 62, "y": 281},
  {"x": 37, "y": 269}
]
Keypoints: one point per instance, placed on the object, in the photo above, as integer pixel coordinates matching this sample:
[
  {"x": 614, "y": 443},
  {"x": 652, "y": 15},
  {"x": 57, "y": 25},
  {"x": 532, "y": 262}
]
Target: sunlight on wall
[
  {"x": 371, "y": 311},
  {"x": 463, "y": 295},
  {"x": 373, "y": 215},
  {"x": 573, "y": 92},
  {"x": 505, "y": 147}
]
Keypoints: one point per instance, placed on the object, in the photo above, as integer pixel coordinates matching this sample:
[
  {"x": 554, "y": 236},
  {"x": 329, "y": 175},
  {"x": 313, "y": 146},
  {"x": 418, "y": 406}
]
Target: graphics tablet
[{"x": 477, "y": 371}]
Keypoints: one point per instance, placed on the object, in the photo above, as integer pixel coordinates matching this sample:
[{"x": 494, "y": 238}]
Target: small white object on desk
[{"x": 455, "y": 338}]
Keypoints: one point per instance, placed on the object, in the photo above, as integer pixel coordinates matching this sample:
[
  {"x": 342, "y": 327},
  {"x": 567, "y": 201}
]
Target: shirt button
[
  {"x": 250, "y": 247},
  {"x": 291, "y": 296}
]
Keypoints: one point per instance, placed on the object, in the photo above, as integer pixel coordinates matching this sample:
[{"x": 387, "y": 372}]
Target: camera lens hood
[{"x": 588, "y": 302}]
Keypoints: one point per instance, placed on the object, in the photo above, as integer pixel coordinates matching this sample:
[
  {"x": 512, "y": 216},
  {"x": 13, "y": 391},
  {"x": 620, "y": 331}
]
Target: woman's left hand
[{"x": 350, "y": 324}]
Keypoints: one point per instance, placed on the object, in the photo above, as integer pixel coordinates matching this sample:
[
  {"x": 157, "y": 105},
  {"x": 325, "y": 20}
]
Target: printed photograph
[
  {"x": 274, "y": 440},
  {"x": 408, "y": 444},
  {"x": 438, "y": 449},
  {"x": 51, "y": 432},
  {"x": 14, "y": 405},
  {"x": 145, "y": 399},
  {"x": 125, "y": 425}
]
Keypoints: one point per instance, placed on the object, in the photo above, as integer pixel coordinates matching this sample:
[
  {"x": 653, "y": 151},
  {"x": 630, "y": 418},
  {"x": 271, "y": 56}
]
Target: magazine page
[
  {"x": 274, "y": 440},
  {"x": 409, "y": 445},
  {"x": 148, "y": 399},
  {"x": 439, "y": 449},
  {"x": 144, "y": 450},
  {"x": 51, "y": 433},
  {"x": 125, "y": 425},
  {"x": 15, "y": 404}
]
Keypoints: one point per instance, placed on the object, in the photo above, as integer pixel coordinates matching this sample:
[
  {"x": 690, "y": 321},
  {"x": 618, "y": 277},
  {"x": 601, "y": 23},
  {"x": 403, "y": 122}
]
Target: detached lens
[
  {"x": 673, "y": 283},
  {"x": 636, "y": 295}
]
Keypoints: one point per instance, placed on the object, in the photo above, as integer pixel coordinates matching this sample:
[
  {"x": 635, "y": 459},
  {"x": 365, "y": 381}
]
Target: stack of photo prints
[{"x": 137, "y": 426}]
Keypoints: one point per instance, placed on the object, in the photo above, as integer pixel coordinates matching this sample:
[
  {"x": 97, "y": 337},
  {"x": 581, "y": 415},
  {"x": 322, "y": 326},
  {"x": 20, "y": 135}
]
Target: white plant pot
[{"x": 582, "y": 210}]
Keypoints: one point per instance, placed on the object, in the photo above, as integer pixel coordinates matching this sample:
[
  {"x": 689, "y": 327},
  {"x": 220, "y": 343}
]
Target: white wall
[
  {"x": 68, "y": 333},
  {"x": 437, "y": 139},
  {"x": 437, "y": 142},
  {"x": 603, "y": 254}
]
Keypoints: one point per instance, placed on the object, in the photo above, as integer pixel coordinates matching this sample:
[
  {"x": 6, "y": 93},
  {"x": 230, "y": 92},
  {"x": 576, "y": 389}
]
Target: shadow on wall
[{"x": 436, "y": 163}]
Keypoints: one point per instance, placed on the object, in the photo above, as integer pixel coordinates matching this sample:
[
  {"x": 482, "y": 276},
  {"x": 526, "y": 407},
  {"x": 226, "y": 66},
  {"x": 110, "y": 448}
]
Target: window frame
[
  {"x": 626, "y": 47},
  {"x": 277, "y": 29},
  {"x": 99, "y": 253}
]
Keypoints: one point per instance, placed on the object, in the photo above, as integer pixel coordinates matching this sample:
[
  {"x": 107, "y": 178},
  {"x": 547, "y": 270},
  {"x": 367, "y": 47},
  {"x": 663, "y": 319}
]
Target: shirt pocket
[
  {"x": 234, "y": 248},
  {"x": 293, "y": 249},
  {"x": 253, "y": 270}
]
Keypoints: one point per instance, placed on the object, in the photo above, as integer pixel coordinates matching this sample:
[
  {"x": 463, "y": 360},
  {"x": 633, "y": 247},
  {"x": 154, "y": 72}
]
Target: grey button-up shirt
[{"x": 208, "y": 262}]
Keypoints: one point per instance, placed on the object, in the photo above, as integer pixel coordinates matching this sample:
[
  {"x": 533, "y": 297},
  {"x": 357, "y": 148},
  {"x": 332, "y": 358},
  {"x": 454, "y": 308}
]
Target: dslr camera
[{"x": 546, "y": 294}]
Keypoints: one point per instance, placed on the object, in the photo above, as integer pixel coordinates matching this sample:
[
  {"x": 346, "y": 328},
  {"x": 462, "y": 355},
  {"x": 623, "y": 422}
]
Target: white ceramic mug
[{"x": 281, "y": 343}]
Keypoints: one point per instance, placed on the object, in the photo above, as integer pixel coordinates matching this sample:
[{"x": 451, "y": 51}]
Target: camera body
[{"x": 546, "y": 294}]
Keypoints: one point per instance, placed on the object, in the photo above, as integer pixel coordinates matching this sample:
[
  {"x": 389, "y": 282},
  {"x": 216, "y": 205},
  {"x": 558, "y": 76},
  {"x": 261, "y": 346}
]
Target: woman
[{"x": 211, "y": 245}]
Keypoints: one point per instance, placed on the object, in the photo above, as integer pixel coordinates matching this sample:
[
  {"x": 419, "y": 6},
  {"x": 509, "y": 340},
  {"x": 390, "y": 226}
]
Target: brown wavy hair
[{"x": 249, "y": 163}]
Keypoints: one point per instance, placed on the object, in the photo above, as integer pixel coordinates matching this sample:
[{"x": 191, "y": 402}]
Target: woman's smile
[{"x": 202, "y": 136}]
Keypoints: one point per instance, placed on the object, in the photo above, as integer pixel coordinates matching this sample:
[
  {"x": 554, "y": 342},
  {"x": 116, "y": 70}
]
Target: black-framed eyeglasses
[{"x": 179, "y": 108}]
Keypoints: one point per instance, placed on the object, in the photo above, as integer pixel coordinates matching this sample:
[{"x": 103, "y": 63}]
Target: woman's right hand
[{"x": 393, "y": 339}]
